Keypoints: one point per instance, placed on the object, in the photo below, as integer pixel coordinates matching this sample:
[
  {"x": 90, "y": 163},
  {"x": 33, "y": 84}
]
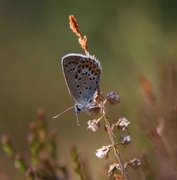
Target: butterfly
[{"x": 82, "y": 76}]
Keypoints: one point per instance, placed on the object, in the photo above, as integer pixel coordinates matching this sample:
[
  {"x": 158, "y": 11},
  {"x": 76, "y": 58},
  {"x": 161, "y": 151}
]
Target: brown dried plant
[
  {"x": 113, "y": 98},
  {"x": 163, "y": 131},
  {"x": 75, "y": 28}
]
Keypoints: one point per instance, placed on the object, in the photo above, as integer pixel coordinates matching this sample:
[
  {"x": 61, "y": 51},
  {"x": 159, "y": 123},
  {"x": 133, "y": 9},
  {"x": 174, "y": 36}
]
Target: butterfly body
[{"x": 82, "y": 75}]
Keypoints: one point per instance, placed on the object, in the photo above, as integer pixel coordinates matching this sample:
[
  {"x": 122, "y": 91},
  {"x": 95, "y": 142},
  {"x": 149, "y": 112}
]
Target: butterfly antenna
[
  {"x": 77, "y": 119},
  {"x": 63, "y": 112}
]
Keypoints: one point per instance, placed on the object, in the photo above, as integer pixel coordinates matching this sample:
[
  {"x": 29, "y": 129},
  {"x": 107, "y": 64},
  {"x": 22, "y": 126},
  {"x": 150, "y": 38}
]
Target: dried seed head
[
  {"x": 134, "y": 163},
  {"x": 113, "y": 98},
  {"x": 125, "y": 139},
  {"x": 75, "y": 28},
  {"x": 122, "y": 123},
  {"x": 102, "y": 153},
  {"x": 74, "y": 25},
  {"x": 112, "y": 168},
  {"x": 97, "y": 101},
  {"x": 93, "y": 125}
]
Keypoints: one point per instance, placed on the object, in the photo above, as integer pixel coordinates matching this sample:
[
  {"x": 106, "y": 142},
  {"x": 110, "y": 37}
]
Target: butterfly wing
[
  {"x": 87, "y": 75},
  {"x": 69, "y": 63},
  {"x": 82, "y": 75}
]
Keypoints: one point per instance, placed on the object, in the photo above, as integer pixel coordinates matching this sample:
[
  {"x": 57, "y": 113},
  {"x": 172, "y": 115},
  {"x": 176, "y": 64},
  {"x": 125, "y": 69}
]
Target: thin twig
[{"x": 114, "y": 144}]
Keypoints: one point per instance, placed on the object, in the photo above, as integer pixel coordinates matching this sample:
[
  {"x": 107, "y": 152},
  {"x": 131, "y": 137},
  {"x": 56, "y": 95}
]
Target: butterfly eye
[{"x": 77, "y": 109}]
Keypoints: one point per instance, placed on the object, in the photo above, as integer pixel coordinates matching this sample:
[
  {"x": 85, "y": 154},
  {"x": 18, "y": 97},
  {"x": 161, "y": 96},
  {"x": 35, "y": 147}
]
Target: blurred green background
[{"x": 130, "y": 38}]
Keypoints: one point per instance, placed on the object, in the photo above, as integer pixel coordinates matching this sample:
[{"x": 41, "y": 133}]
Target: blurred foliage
[
  {"x": 130, "y": 38},
  {"x": 44, "y": 163}
]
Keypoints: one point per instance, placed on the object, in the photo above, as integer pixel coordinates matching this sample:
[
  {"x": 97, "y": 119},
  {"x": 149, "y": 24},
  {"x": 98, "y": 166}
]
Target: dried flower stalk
[
  {"x": 75, "y": 28},
  {"x": 112, "y": 97}
]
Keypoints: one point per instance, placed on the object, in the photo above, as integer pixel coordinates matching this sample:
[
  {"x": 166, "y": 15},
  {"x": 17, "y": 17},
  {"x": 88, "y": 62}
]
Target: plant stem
[{"x": 114, "y": 144}]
